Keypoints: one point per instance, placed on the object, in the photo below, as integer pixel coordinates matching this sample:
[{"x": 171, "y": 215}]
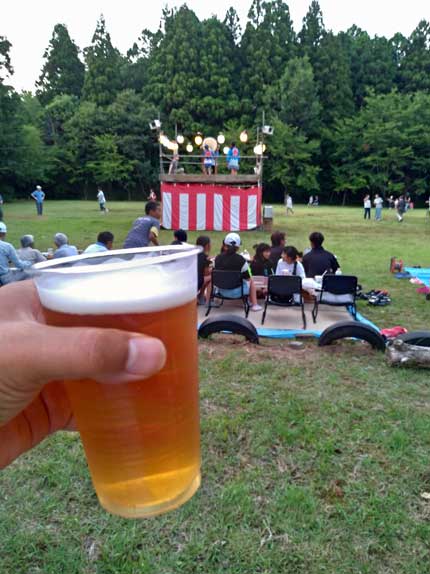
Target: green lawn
[{"x": 314, "y": 460}]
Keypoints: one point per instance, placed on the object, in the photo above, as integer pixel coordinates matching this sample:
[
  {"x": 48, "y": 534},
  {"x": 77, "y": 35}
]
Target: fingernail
[{"x": 146, "y": 356}]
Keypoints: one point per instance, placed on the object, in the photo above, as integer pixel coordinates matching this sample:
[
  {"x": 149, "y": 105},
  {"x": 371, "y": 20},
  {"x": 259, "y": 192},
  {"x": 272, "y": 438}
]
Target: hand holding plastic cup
[{"x": 141, "y": 439}]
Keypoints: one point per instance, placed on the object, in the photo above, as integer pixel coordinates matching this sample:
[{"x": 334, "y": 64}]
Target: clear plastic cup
[{"x": 141, "y": 439}]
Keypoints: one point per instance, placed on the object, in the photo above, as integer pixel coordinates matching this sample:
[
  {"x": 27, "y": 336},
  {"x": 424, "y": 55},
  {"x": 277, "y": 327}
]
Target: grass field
[{"x": 314, "y": 459}]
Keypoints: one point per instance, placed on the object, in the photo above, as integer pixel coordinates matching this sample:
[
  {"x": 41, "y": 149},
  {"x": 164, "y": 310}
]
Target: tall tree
[
  {"x": 295, "y": 97},
  {"x": 268, "y": 43},
  {"x": 174, "y": 68},
  {"x": 103, "y": 78},
  {"x": 232, "y": 22},
  {"x": 333, "y": 77},
  {"x": 414, "y": 72},
  {"x": 372, "y": 63},
  {"x": 5, "y": 63},
  {"x": 63, "y": 71},
  {"x": 312, "y": 32}
]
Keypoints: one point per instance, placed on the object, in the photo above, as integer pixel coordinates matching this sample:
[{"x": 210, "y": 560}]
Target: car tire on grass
[
  {"x": 229, "y": 324},
  {"x": 352, "y": 330}
]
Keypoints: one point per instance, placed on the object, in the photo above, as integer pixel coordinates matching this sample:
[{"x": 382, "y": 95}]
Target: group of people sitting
[
  {"x": 275, "y": 259},
  {"x": 27, "y": 255}
]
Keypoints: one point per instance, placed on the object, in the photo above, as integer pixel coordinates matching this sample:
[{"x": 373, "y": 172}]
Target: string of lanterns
[{"x": 173, "y": 146}]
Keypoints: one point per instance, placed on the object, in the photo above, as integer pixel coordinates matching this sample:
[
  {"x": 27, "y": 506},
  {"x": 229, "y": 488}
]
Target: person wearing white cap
[
  {"x": 63, "y": 248},
  {"x": 8, "y": 255},
  {"x": 39, "y": 197},
  {"x": 28, "y": 252},
  {"x": 230, "y": 260}
]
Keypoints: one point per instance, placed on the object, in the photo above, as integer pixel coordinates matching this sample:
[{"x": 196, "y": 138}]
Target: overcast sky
[{"x": 28, "y": 24}]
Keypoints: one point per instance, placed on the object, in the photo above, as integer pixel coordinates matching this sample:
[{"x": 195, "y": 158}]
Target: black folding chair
[
  {"x": 281, "y": 291},
  {"x": 337, "y": 291},
  {"x": 227, "y": 280}
]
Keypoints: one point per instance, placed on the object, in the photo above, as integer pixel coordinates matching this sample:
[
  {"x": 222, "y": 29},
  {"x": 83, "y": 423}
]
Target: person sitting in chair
[
  {"x": 319, "y": 261},
  {"x": 230, "y": 260},
  {"x": 262, "y": 264}
]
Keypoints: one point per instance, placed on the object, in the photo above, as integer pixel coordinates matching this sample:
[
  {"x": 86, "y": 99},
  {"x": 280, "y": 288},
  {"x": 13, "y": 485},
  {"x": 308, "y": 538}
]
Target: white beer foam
[{"x": 138, "y": 289}]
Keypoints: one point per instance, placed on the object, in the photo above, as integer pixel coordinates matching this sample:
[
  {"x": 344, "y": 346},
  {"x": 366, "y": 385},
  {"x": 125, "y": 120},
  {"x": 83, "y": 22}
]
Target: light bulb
[{"x": 244, "y": 136}]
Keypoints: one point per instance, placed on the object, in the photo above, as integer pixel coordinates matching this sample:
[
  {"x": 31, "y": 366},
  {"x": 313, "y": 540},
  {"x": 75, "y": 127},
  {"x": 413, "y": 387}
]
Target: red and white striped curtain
[{"x": 210, "y": 207}]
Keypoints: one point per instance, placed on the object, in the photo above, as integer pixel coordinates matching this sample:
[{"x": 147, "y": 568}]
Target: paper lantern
[
  {"x": 180, "y": 139},
  {"x": 221, "y": 139},
  {"x": 189, "y": 148},
  {"x": 226, "y": 150},
  {"x": 198, "y": 140},
  {"x": 244, "y": 136}
]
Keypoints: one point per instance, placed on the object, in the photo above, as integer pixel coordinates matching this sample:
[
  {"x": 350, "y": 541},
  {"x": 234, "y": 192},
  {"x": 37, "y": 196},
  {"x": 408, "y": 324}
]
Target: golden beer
[{"x": 141, "y": 439}]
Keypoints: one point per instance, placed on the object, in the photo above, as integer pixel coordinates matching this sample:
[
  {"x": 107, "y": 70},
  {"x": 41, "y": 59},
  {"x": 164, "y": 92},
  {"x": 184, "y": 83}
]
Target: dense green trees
[
  {"x": 63, "y": 72},
  {"x": 350, "y": 111}
]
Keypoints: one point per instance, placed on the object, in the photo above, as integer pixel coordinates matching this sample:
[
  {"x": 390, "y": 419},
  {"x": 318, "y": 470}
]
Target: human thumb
[{"x": 34, "y": 354}]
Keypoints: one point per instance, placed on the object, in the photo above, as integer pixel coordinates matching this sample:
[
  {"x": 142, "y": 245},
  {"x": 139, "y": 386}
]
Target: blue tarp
[
  {"x": 422, "y": 274},
  {"x": 293, "y": 333}
]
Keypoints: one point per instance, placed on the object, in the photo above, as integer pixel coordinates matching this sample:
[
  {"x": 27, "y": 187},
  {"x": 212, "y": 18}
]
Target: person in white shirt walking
[
  {"x": 367, "y": 206},
  {"x": 289, "y": 203},
  {"x": 102, "y": 200},
  {"x": 378, "y": 202}
]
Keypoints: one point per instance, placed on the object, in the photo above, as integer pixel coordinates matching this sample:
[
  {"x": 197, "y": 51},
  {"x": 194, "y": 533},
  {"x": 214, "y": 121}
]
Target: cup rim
[{"x": 66, "y": 265}]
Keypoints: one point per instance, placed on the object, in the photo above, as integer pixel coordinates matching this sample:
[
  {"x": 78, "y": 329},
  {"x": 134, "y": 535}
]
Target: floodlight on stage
[
  {"x": 226, "y": 150},
  {"x": 198, "y": 140},
  {"x": 189, "y": 148},
  {"x": 221, "y": 139},
  {"x": 244, "y": 136},
  {"x": 180, "y": 139},
  {"x": 155, "y": 125},
  {"x": 267, "y": 130}
]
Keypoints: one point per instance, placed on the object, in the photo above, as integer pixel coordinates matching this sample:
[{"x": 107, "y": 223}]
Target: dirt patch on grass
[{"x": 293, "y": 351}]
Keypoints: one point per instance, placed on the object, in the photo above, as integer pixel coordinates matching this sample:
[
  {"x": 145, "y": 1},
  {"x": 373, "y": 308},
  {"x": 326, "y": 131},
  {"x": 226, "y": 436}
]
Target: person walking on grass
[
  {"x": 378, "y": 203},
  {"x": 401, "y": 208},
  {"x": 367, "y": 204},
  {"x": 289, "y": 204},
  {"x": 102, "y": 200},
  {"x": 39, "y": 197}
]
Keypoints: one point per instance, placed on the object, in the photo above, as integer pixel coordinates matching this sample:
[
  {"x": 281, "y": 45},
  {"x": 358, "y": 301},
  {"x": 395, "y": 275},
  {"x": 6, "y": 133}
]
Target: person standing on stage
[
  {"x": 233, "y": 159},
  {"x": 208, "y": 160},
  {"x": 39, "y": 197}
]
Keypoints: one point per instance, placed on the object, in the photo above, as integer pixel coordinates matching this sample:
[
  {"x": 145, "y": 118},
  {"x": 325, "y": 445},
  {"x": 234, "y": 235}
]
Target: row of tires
[{"x": 342, "y": 330}]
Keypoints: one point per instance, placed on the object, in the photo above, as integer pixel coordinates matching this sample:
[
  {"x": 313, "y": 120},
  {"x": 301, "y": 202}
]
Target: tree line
[{"x": 351, "y": 112}]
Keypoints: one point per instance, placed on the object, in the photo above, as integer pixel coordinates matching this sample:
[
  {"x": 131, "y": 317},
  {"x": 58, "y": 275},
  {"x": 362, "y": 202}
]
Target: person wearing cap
[
  {"x": 27, "y": 252},
  {"x": 63, "y": 248},
  {"x": 9, "y": 255},
  {"x": 39, "y": 197},
  {"x": 104, "y": 243},
  {"x": 230, "y": 260}
]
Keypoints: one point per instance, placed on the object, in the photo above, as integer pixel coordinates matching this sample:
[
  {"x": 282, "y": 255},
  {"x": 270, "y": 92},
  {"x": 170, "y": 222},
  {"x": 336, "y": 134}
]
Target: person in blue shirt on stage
[
  {"x": 208, "y": 160},
  {"x": 233, "y": 159},
  {"x": 39, "y": 197}
]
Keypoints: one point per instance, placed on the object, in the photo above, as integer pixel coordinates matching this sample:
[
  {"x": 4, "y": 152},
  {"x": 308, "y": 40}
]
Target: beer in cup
[{"x": 141, "y": 439}]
